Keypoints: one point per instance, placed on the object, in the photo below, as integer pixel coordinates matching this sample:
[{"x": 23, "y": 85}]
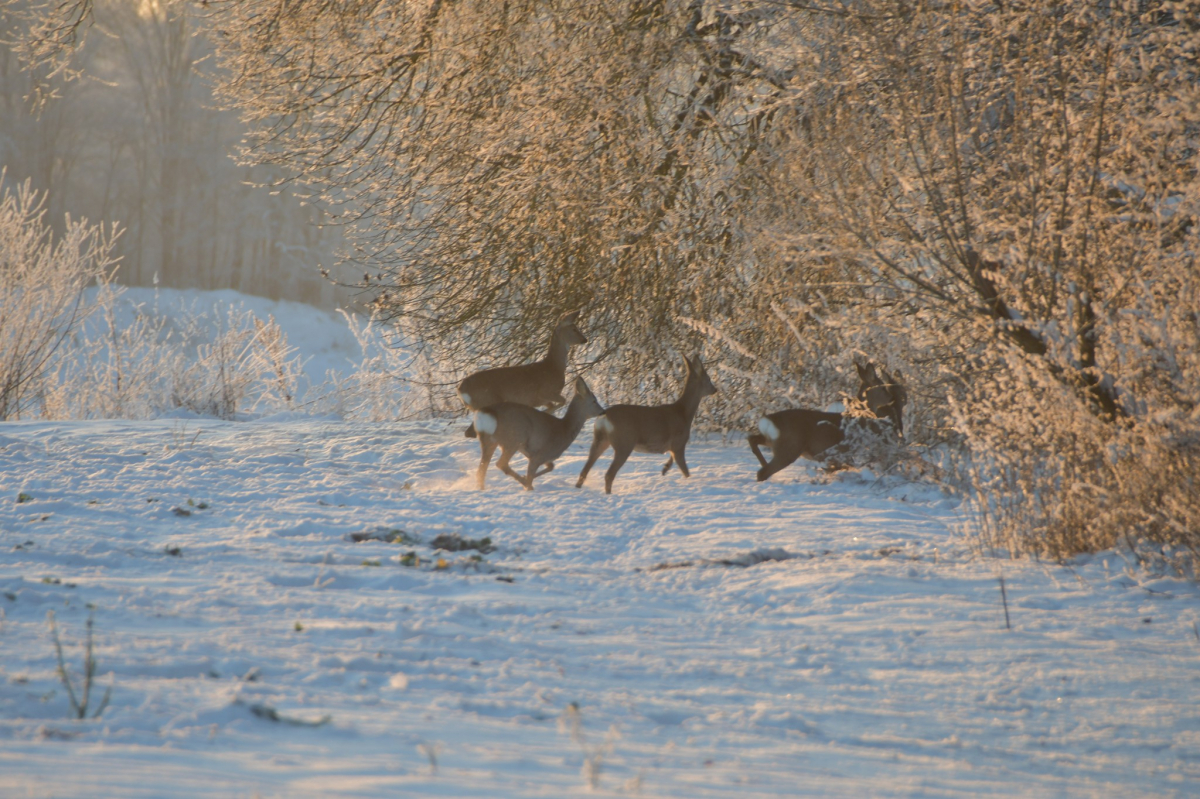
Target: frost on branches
[
  {"x": 1012, "y": 192},
  {"x": 997, "y": 200},
  {"x": 41, "y": 291}
]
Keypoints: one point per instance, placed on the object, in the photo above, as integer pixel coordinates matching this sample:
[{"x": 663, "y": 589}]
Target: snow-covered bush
[
  {"x": 130, "y": 362},
  {"x": 42, "y": 284},
  {"x": 1010, "y": 194},
  {"x": 113, "y": 369},
  {"x": 394, "y": 378},
  {"x": 217, "y": 381}
]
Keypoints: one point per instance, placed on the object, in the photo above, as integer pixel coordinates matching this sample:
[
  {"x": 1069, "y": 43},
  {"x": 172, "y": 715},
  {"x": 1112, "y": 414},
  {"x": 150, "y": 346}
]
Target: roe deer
[
  {"x": 886, "y": 396},
  {"x": 538, "y": 435},
  {"x": 806, "y": 433},
  {"x": 538, "y": 384},
  {"x": 650, "y": 428}
]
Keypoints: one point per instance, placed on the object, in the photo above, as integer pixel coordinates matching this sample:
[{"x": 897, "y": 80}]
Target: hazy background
[{"x": 139, "y": 139}]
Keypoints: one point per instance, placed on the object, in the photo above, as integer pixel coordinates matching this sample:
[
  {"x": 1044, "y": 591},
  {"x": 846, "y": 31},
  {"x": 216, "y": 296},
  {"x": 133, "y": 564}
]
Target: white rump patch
[
  {"x": 465, "y": 397},
  {"x": 603, "y": 425},
  {"x": 768, "y": 428},
  {"x": 485, "y": 423}
]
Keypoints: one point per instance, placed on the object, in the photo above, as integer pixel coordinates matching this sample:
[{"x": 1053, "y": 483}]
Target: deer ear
[{"x": 571, "y": 317}]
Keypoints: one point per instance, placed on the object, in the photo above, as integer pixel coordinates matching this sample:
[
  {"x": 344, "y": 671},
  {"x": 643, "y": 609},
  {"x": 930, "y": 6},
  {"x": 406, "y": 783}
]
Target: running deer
[
  {"x": 536, "y": 434},
  {"x": 650, "y": 428},
  {"x": 806, "y": 433},
  {"x": 538, "y": 384}
]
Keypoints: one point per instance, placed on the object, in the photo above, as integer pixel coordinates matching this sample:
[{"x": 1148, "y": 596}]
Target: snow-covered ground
[
  {"x": 809, "y": 636},
  {"x": 621, "y": 640}
]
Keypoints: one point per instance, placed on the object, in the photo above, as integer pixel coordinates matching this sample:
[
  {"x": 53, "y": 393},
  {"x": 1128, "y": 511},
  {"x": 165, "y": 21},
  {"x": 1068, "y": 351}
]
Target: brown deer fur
[
  {"x": 650, "y": 428},
  {"x": 809, "y": 434},
  {"x": 539, "y": 436},
  {"x": 538, "y": 384}
]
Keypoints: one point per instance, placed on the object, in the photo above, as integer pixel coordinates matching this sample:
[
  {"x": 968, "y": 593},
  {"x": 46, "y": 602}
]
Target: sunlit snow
[{"x": 274, "y": 619}]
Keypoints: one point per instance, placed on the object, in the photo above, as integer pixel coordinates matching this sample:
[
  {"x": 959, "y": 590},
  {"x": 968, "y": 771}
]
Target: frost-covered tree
[
  {"x": 1012, "y": 192},
  {"x": 42, "y": 282},
  {"x": 504, "y": 162}
]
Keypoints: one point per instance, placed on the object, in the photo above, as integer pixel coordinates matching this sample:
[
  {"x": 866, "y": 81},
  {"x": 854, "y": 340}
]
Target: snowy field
[
  {"x": 865, "y": 655},
  {"x": 280, "y": 611}
]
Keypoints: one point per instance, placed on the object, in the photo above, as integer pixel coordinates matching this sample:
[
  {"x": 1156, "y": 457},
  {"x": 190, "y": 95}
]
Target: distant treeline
[{"x": 133, "y": 134}]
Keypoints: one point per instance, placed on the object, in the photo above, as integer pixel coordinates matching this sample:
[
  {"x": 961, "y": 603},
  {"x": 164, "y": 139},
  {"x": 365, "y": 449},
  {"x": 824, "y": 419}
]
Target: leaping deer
[
  {"x": 650, "y": 428},
  {"x": 801, "y": 432},
  {"x": 538, "y": 384},
  {"x": 536, "y": 434}
]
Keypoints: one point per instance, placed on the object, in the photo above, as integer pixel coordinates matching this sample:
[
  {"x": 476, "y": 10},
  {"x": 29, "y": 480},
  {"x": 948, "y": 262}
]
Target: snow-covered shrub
[
  {"x": 42, "y": 284},
  {"x": 393, "y": 379},
  {"x": 1013, "y": 191},
  {"x": 242, "y": 363},
  {"x": 131, "y": 362},
  {"x": 279, "y": 366},
  {"x": 1050, "y": 476},
  {"x": 114, "y": 369}
]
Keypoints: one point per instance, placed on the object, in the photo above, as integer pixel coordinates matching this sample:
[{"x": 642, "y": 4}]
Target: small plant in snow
[
  {"x": 23, "y": 497},
  {"x": 79, "y": 702},
  {"x": 571, "y": 721},
  {"x": 180, "y": 438}
]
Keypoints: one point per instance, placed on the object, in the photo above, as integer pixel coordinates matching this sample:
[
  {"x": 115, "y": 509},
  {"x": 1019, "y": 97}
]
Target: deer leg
[
  {"x": 549, "y": 468},
  {"x": 470, "y": 431},
  {"x": 781, "y": 458},
  {"x": 530, "y": 474},
  {"x": 670, "y": 463},
  {"x": 599, "y": 445},
  {"x": 502, "y": 464},
  {"x": 620, "y": 455},
  {"x": 680, "y": 462},
  {"x": 487, "y": 448},
  {"x": 757, "y": 440}
]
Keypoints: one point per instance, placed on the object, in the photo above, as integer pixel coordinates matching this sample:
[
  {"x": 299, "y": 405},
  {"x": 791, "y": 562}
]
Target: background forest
[
  {"x": 996, "y": 200},
  {"x": 130, "y": 132}
]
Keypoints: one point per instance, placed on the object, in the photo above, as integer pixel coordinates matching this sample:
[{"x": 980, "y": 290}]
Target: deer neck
[
  {"x": 559, "y": 350},
  {"x": 689, "y": 400},
  {"x": 574, "y": 418}
]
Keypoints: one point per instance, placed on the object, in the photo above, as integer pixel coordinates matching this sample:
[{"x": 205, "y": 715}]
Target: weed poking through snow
[
  {"x": 79, "y": 702},
  {"x": 571, "y": 721}
]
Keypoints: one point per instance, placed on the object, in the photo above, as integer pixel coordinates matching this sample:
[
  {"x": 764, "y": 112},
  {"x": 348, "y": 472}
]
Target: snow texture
[
  {"x": 698, "y": 637},
  {"x": 302, "y": 606}
]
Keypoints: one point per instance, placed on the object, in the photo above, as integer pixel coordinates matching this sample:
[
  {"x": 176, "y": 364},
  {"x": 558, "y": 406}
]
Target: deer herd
[{"x": 506, "y": 402}]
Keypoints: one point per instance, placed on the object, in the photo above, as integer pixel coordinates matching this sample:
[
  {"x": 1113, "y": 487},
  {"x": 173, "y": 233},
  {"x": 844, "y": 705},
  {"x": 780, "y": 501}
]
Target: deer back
[
  {"x": 539, "y": 435},
  {"x": 534, "y": 384},
  {"x": 801, "y": 432},
  {"x": 658, "y": 428}
]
